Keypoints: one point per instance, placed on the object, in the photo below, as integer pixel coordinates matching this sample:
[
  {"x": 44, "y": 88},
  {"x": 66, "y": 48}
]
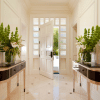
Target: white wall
[
  {"x": 15, "y": 13},
  {"x": 85, "y": 16},
  {"x": 98, "y": 16}
]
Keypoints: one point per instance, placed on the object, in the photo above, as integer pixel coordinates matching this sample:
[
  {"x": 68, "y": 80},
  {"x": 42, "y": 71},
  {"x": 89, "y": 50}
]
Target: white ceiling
[{"x": 49, "y": 2}]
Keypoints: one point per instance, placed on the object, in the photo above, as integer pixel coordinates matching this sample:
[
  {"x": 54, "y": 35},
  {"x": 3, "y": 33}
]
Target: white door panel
[{"x": 46, "y": 47}]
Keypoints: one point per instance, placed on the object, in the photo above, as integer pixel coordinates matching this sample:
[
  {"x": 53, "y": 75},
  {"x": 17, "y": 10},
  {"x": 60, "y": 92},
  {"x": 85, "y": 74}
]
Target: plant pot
[
  {"x": 2, "y": 57},
  {"x": 87, "y": 57},
  {"x": 93, "y": 58},
  {"x": 9, "y": 58},
  {"x": 82, "y": 59}
]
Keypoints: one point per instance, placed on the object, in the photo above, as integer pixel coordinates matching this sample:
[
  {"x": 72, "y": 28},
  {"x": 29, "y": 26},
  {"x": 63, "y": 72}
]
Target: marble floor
[{"x": 39, "y": 87}]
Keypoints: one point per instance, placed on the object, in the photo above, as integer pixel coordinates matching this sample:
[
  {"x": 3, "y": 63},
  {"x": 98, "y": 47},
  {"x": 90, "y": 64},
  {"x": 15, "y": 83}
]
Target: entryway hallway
[{"x": 39, "y": 87}]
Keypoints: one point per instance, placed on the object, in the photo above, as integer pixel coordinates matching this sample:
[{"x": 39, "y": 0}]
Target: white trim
[
  {"x": 86, "y": 8},
  {"x": 10, "y": 6},
  {"x": 96, "y": 13},
  {"x": 67, "y": 38}
]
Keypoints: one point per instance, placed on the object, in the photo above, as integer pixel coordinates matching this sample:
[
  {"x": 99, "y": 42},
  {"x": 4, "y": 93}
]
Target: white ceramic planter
[
  {"x": 2, "y": 57},
  {"x": 93, "y": 58}
]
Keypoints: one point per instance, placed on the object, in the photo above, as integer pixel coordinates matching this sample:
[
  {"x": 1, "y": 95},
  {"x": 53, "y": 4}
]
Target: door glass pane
[
  {"x": 63, "y": 46},
  {"x": 63, "y": 41},
  {"x": 36, "y": 46},
  {"x": 63, "y": 34},
  {"x": 35, "y": 34},
  {"x": 36, "y": 40},
  {"x": 57, "y": 21},
  {"x": 63, "y": 53},
  {"x": 35, "y": 21},
  {"x": 63, "y": 28},
  {"x": 35, "y": 53},
  {"x": 46, "y": 20},
  {"x": 63, "y": 21},
  {"x": 35, "y": 28},
  {"x": 41, "y": 21},
  {"x": 52, "y": 19}
]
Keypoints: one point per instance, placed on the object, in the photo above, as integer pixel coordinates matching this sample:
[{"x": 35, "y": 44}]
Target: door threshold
[{"x": 56, "y": 73}]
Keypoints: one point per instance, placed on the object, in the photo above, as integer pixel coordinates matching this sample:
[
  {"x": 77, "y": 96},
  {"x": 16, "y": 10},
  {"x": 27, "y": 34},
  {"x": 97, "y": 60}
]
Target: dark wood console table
[
  {"x": 7, "y": 72},
  {"x": 91, "y": 73}
]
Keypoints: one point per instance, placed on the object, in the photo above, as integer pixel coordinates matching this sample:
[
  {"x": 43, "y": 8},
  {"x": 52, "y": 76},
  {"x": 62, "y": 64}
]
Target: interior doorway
[
  {"x": 56, "y": 50},
  {"x": 74, "y": 41}
]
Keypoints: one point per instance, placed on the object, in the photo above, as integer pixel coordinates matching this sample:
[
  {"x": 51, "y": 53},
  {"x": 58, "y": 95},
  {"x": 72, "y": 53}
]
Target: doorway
[
  {"x": 74, "y": 41},
  {"x": 56, "y": 50},
  {"x": 62, "y": 25}
]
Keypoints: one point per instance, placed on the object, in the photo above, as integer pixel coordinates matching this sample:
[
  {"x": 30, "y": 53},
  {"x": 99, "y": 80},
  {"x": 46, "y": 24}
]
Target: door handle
[{"x": 51, "y": 54}]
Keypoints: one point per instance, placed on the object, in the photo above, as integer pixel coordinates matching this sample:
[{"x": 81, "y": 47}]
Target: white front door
[{"x": 46, "y": 50}]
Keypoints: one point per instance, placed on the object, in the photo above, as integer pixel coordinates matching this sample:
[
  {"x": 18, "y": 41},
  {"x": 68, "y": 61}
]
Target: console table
[
  {"x": 91, "y": 73},
  {"x": 7, "y": 72}
]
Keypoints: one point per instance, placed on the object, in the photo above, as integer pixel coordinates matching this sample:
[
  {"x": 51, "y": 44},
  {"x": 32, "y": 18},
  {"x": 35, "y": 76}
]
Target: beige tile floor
[{"x": 39, "y": 87}]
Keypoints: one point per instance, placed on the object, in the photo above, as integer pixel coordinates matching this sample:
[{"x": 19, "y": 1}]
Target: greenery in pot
[
  {"x": 88, "y": 42},
  {"x": 10, "y": 44}
]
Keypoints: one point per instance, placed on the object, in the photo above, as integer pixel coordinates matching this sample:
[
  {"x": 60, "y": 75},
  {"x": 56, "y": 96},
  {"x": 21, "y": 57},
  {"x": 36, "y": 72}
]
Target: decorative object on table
[
  {"x": 98, "y": 53},
  {"x": 81, "y": 48},
  {"x": 87, "y": 44},
  {"x": 11, "y": 45}
]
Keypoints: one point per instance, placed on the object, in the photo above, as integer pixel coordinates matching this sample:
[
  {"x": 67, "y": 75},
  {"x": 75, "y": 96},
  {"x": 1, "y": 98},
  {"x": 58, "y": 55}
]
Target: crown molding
[
  {"x": 28, "y": 3},
  {"x": 50, "y": 12},
  {"x": 49, "y": 8},
  {"x": 72, "y": 4}
]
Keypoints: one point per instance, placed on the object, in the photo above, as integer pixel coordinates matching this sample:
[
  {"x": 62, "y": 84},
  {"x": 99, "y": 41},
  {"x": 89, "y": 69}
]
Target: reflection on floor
[
  {"x": 56, "y": 64},
  {"x": 39, "y": 87}
]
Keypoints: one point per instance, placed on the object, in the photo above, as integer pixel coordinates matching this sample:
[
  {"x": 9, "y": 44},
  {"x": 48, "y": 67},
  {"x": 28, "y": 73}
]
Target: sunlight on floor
[{"x": 56, "y": 64}]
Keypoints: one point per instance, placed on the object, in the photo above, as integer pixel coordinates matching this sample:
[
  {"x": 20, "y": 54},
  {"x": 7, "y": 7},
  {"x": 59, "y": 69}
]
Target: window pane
[
  {"x": 41, "y": 21},
  {"x": 36, "y": 53},
  {"x": 35, "y": 21},
  {"x": 63, "y": 41},
  {"x": 63, "y": 34},
  {"x": 63, "y": 28},
  {"x": 63, "y": 53},
  {"x": 63, "y": 21},
  {"x": 46, "y": 20},
  {"x": 35, "y": 34},
  {"x": 63, "y": 46},
  {"x": 36, "y": 40},
  {"x": 57, "y": 21},
  {"x": 36, "y": 47},
  {"x": 35, "y": 28}
]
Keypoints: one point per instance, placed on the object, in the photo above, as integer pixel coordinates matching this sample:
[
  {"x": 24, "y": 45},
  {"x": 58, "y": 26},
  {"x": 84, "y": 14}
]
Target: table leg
[
  {"x": 88, "y": 89},
  {"x": 17, "y": 79},
  {"x": 24, "y": 78},
  {"x": 8, "y": 89},
  {"x": 73, "y": 81},
  {"x": 80, "y": 80}
]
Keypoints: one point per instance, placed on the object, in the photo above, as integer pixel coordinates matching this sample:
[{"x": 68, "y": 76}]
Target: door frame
[{"x": 31, "y": 57}]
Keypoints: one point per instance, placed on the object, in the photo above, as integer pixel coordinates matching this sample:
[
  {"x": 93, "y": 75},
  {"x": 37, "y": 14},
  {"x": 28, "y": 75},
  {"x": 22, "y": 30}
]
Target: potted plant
[
  {"x": 90, "y": 39},
  {"x": 10, "y": 44}
]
